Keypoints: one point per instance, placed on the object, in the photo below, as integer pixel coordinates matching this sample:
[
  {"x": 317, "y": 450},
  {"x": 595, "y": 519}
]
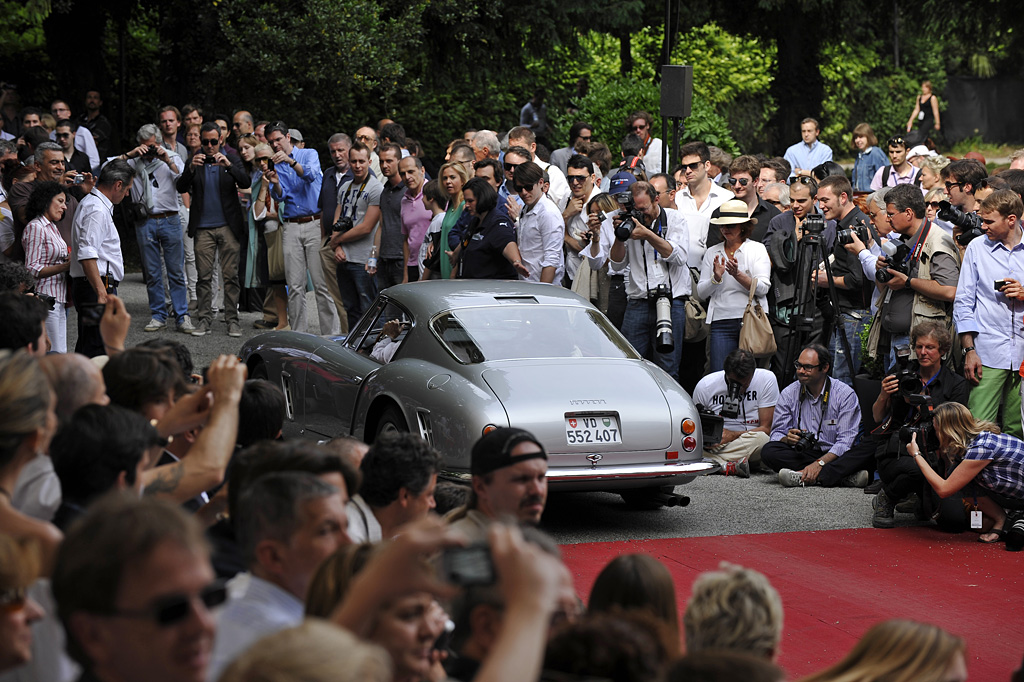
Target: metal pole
[{"x": 896, "y": 32}]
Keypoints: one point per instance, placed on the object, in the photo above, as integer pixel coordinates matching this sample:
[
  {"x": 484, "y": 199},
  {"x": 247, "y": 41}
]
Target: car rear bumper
[{"x": 627, "y": 476}]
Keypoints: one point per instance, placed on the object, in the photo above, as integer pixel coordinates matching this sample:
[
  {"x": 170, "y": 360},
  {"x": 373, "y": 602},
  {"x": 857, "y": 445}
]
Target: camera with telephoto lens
[
  {"x": 662, "y": 296},
  {"x": 808, "y": 442},
  {"x": 845, "y": 235},
  {"x": 969, "y": 223},
  {"x": 623, "y": 225},
  {"x": 907, "y": 377},
  {"x": 343, "y": 224},
  {"x": 731, "y": 401},
  {"x": 895, "y": 255}
]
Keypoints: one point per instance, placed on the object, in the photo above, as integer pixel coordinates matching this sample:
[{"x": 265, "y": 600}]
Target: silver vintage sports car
[{"x": 473, "y": 355}]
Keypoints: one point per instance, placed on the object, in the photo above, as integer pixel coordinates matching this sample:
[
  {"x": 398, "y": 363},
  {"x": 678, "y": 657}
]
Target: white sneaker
[
  {"x": 154, "y": 325},
  {"x": 186, "y": 325},
  {"x": 790, "y": 478}
]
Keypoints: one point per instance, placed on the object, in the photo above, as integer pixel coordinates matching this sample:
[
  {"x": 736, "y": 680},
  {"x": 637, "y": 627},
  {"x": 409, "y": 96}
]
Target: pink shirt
[
  {"x": 45, "y": 247},
  {"x": 415, "y": 221}
]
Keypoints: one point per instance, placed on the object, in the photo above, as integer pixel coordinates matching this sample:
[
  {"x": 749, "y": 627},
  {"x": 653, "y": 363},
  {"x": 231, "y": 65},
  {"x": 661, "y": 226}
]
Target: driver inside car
[{"x": 388, "y": 343}]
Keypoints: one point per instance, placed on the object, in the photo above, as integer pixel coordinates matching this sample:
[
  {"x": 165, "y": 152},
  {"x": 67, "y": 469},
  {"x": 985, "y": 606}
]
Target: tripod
[{"x": 812, "y": 254}]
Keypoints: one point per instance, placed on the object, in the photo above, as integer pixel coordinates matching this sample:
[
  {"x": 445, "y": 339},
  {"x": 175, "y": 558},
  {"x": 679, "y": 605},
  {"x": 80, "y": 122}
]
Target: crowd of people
[{"x": 154, "y": 525}]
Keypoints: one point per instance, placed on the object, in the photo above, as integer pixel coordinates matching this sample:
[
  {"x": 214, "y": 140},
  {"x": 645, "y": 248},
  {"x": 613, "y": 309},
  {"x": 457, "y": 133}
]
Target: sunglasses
[
  {"x": 12, "y": 600},
  {"x": 692, "y": 166},
  {"x": 951, "y": 185},
  {"x": 804, "y": 180},
  {"x": 210, "y": 143},
  {"x": 896, "y": 140},
  {"x": 640, "y": 127},
  {"x": 935, "y": 204},
  {"x": 575, "y": 179},
  {"x": 523, "y": 188},
  {"x": 799, "y": 365},
  {"x": 586, "y": 138},
  {"x": 173, "y": 609},
  {"x": 512, "y": 166},
  {"x": 743, "y": 181}
]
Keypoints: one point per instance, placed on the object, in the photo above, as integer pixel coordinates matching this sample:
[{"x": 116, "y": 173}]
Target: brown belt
[
  {"x": 165, "y": 214},
  {"x": 304, "y": 218}
]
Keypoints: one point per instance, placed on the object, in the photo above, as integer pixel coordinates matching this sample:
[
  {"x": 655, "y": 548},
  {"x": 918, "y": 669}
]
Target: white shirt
[
  {"x": 652, "y": 159},
  {"x": 262, "y": 610},
  {"x": 540, "y": 239},
  {"x": 697, "y": 224},
  {"x": 559, "y": 190},
  {"x": 576, "y": 227},
  {"x": 93, "y": 235},
  {"x": 647, "y": 269},
  {"x": 728, "y": 300},
  {"x": 716, "y": 197},
  {"x": 762, "y": 392},
  {"x": 363, "y": 526}
]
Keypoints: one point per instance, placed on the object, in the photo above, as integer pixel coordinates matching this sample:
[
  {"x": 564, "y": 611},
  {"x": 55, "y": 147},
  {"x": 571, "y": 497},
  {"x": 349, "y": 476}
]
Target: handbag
[
  {"x": 756, "y": 333},
  {"x": 696, "y": 314}
]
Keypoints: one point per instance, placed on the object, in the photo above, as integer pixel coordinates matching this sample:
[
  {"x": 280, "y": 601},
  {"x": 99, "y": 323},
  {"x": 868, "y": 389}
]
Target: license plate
[{"x": 592, "y": 430}]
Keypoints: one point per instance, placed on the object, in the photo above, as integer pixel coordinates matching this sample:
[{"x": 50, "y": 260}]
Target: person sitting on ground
[
  {"x": 745, "y": 432},
  {"x": 815, "y": 425},
  {"x": 900, "y": 650},
  {"x": 288, "y": 523},
  {"x": 399, "y": 475},
  {"x": 638, "y": 583},
  {"x": 19, "y": 566},
  {"x": 733, "y": 609},
  {"x": 509, "y": 468},
  {"x": 986, "y": 463},
  {"x": 101, "y": 448},
  {"x": 893, "y": 409}
]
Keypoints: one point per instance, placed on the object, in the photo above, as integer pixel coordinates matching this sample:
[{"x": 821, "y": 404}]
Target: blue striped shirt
[
  {"x": 1005, "y": 471},
  {"x": 836, "y": 428}
]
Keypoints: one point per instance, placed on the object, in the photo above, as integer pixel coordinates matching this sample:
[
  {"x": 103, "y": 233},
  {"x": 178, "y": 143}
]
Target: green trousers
[{"x": 997, "y": 386}]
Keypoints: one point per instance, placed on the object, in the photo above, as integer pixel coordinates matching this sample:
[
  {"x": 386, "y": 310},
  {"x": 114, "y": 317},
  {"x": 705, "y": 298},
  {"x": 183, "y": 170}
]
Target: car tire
[
  {"x": 645, "y": 498},
  {"x": 391, "y": 421}
]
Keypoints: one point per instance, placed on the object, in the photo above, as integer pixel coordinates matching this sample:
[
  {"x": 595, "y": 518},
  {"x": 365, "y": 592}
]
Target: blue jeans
[
  {"x": 843, "y": 368},
  {"x": 638, "y": 328},
  {"x": 162, "y": 246},
  {"x": 723, "y": 338},
  {"x": 358, "y": 289}
]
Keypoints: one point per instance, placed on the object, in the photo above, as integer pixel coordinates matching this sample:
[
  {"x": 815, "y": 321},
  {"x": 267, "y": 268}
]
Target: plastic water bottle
[{"x": 371, "y": 262}]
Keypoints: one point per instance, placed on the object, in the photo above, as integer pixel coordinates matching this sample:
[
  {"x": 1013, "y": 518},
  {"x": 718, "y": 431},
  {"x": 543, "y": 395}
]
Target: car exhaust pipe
[{"x": 672, "y": 500}]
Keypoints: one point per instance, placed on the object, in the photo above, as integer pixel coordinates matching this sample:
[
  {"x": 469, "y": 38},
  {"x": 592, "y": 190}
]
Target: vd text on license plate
[{"x": 595, "y": 430}]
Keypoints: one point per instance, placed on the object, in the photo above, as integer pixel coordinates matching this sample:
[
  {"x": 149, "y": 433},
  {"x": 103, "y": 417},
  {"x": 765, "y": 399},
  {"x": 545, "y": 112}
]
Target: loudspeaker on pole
[{"x": 676, "y": 90}]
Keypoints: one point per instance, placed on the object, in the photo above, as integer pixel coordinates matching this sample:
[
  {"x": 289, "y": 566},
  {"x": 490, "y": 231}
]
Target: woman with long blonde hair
[
  {"x": 453, "y": 176},
  {"x": 900, "y": 651},
  {"x": 987, "y": 464}
]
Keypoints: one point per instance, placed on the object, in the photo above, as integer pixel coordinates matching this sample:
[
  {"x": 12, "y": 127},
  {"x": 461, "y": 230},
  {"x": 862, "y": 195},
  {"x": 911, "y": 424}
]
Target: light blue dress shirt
[
  {"x": 807, "y": 157},
  {"x": 301, "y": 194},
  {"x": 836, "y": 428}
]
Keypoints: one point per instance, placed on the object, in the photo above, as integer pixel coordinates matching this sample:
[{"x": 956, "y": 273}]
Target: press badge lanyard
[
  {"x": 824, "y": 405},
  {"x": 643, "y": 251}
]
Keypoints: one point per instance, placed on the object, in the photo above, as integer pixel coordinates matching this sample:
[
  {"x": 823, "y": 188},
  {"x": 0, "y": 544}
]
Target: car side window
[{"x": 375, "y": 333}]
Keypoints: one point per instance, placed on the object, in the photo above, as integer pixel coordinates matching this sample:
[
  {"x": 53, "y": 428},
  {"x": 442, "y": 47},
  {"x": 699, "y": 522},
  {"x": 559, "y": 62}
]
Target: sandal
[{"x": 1000, "y": 534}]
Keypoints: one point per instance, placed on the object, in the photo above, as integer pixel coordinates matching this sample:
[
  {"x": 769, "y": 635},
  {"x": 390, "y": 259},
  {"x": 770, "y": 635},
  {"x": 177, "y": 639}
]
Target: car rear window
[{"x": 509, "y": 332}]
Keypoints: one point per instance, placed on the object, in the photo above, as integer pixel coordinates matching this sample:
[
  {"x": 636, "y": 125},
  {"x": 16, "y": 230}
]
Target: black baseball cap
[{"x": 494, "y": 450}]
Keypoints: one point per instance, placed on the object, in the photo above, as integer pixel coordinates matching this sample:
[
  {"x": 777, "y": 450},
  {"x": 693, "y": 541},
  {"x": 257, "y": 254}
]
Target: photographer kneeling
[
  {"x": 653, "y": 242},
  {"x": 907, "y": 394},
  {"x": 987, "y": 465},
  {"x": 745, "y": 396},
  {"x": 816, "y": 415}
]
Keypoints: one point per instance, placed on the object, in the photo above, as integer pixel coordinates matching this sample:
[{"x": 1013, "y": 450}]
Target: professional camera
[
  {"x": 927, "y": 439},
  {"x": 808, "y": 442},
  {"x": 344, "y": 224},
  {"x": 969, "y": 223},
  {"x": 814, "y": 224},
  {"x": 896, "y": 253},
  {"x": 662, "y": 295},
  {"x": 845, "y": 235},
  {"x": 732, "y": 400},
  {"x": 711, "y": 426},
  {"x": 907, "y": 377},
  {"x": 623, "y": 225}
]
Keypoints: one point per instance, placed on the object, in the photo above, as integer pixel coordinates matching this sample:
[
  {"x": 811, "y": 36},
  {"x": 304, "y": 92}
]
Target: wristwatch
[
  {"x": 821, "y": 463},
  {"x": 968, "y": 350},
  {"x": 910, "y": 279}
]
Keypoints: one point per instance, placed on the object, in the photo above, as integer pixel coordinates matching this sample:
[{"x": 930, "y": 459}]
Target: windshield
[{"x": 511, "y": 332}]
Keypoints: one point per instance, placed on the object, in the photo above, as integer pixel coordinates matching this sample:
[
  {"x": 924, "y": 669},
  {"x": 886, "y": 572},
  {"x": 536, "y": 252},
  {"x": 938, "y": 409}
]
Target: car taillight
[
  {"x": 488, "y": 429},
  {"x": 688, "y": 426},
  {"x": 689, "y": 443}
]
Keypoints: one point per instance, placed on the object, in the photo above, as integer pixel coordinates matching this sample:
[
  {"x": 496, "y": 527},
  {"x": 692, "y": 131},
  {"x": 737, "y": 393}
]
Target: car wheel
[
  {"x": 259, "y": 372},
  {"x": 391, "y": 421},
  {"x": 646, "y": 498}
]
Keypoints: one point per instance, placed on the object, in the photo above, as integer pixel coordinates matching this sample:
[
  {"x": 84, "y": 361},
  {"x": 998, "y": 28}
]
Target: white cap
[{"x": 920, "y": 150}]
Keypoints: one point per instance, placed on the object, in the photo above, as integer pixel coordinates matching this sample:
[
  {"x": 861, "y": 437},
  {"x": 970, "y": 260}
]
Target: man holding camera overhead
[
  {"x": 918, "y": 280},
  {"x": 988, "y": 311},
  {"x": 816, "y": 422},
  {"x": 155, "y": 212},
  {"x": 650, "y": 242},
  {"x": 745, "y": 396}
]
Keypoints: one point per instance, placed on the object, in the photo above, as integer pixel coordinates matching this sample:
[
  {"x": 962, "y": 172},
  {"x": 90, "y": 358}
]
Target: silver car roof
[{"x": 432, "y": 296}]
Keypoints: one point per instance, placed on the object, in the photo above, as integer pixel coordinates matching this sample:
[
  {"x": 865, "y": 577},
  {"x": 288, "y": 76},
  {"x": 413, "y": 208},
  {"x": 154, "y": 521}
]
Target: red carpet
[{"x": 836, "y": 584}]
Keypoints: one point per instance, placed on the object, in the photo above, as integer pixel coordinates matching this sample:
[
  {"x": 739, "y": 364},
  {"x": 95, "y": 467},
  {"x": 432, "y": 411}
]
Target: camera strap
[
  {"x": 824, "y": 405},
  {"x": 643, "y": 251},
  {"x": 348, "y": 197},
  {"x": 915, "y": 253}
]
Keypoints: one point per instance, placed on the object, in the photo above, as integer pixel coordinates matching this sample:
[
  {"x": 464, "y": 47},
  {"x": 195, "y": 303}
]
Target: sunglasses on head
[
  {"x": 897, "y": 140},
  {"x": 804, "y": 180},
  {"x": 743, "y": 181},
  {"x": 173, "y": 609}
]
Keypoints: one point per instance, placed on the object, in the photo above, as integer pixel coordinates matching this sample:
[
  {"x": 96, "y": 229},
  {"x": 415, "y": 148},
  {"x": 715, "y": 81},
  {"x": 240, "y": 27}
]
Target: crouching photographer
[
  {"x": 815, "y": 425},
  {"x": 904, "y": 407},
  {"x": 745, "y": 396},
  {"x": 652, "y": 241}
]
